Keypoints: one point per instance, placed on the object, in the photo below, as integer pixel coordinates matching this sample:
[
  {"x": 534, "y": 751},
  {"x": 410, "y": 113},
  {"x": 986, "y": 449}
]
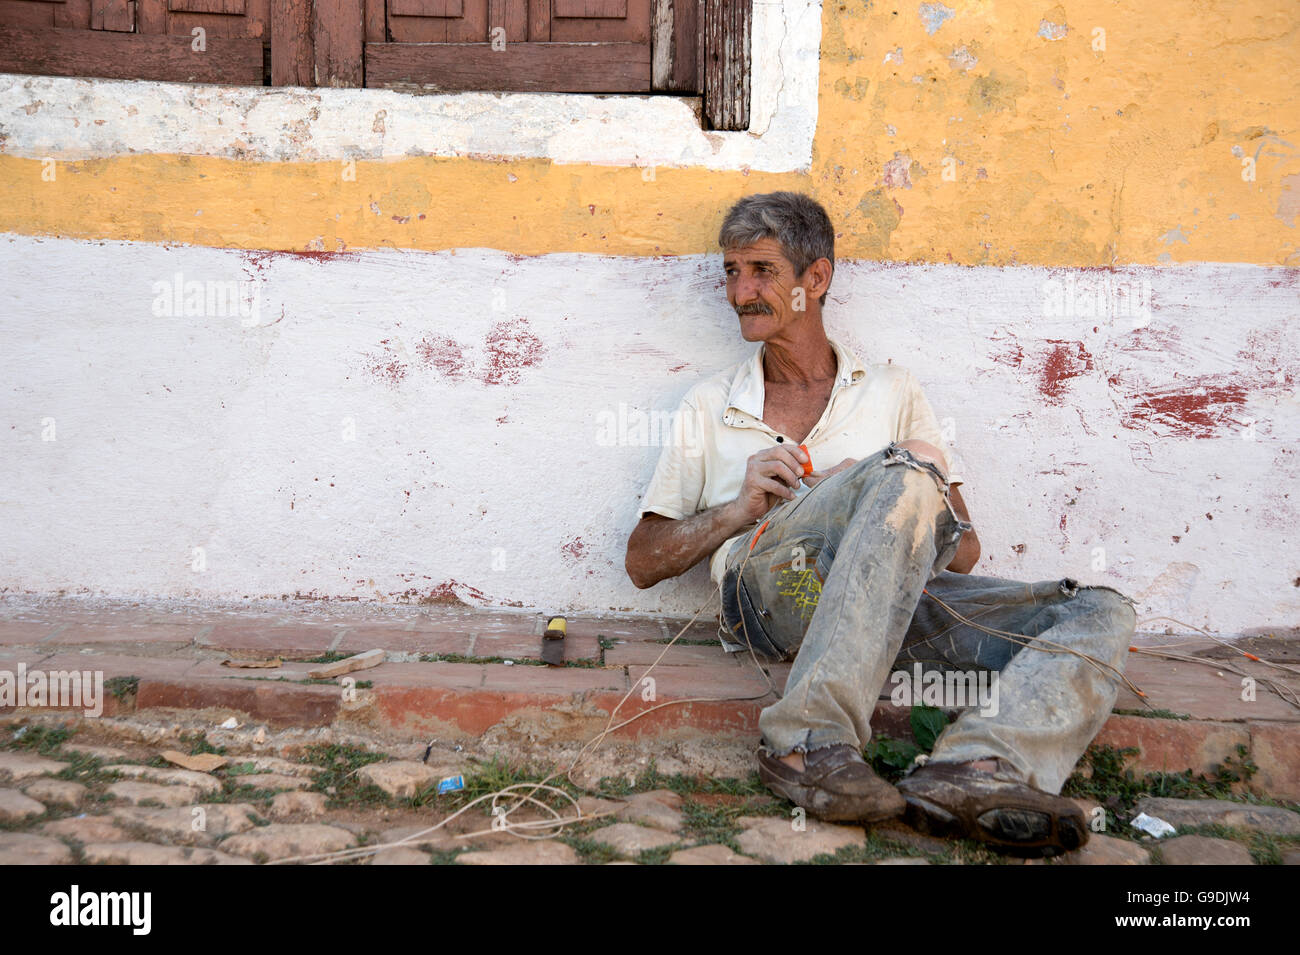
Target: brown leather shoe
[
  {"x": 999, "y": 809},
  {"x": 836, "y": 785}
]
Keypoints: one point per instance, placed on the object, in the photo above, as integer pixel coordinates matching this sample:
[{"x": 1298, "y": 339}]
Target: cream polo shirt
[{"x": 719, "y": 426}]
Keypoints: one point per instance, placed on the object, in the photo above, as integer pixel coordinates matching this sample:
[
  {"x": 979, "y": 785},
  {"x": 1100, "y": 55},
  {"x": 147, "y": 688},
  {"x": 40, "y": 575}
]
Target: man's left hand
[{"x": 812, "y": 480}]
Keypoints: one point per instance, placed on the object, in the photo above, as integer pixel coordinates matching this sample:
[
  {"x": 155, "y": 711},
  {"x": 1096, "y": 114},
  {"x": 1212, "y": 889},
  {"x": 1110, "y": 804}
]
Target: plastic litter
[
  {"x": 451, "y": 784},
  {"x": 1152, "y": 825}
]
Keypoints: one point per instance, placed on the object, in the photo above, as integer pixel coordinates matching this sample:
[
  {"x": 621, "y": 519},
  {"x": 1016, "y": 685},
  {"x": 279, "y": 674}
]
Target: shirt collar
[{"x": 746, "y": 394}]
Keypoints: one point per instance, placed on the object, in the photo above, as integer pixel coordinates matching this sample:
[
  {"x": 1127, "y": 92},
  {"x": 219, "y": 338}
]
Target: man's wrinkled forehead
[{"x": 754, "y": 255}]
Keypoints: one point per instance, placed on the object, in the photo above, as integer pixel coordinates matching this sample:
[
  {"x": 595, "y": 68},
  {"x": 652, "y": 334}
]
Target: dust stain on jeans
[{"x": 908, "y": 511}]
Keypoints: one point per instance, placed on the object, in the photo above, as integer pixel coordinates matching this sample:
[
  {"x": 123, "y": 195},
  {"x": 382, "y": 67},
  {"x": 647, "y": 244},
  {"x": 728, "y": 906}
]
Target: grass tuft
[{"x": 45, "y": 740}]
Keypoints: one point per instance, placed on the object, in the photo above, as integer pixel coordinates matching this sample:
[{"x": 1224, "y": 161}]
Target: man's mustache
[{"x": 756, "y": 309}]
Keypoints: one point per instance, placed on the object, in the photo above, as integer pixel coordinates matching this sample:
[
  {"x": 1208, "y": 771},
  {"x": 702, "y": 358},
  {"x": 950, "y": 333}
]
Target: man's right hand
[
  {"x": 771, "y": 476},
  {"x": 661, "y": 547}
]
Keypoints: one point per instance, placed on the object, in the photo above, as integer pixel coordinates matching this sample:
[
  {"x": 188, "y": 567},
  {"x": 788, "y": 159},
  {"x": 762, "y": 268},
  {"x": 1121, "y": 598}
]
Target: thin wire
[
  {"x": 1046, "y": 646},
  {"x": 1222, "y": 642},
  {"x": 416, "y": 837},
  {"x": 1286, "y": 693},
  {"x": 552, "y": 827},
  {"x": 1038, "y": 643}
]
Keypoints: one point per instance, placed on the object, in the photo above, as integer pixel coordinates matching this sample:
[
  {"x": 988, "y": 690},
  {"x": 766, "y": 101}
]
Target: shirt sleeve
[
  {"x": 678, "y": 483},
  {"x": 916, "y": 420}
]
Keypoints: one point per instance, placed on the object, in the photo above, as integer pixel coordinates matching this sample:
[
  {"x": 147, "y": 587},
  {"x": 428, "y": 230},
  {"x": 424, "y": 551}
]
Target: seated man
[{"x": 852, "y": 568}]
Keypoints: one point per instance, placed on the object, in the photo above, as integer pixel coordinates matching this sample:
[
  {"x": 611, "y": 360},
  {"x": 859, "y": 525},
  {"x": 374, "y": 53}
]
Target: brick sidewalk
[{"x": 447, "y": 676}]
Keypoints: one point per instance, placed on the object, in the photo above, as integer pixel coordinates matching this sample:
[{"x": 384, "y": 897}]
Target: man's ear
[{"x": 817, "y": 278}]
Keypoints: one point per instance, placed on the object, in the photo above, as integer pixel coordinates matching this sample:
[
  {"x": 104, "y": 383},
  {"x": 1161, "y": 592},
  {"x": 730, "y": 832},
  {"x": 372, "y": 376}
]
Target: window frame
[{"x": 696, "y": 48}]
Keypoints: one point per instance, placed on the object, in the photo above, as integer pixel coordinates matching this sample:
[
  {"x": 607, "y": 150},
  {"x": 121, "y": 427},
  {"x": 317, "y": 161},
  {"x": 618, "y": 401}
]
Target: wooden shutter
[
  {"x": 576, "y": 46},
  {"x": 688, "y": 47},
  {"x": 136, "y": 39},
  {"x": 677, "y": 46}
]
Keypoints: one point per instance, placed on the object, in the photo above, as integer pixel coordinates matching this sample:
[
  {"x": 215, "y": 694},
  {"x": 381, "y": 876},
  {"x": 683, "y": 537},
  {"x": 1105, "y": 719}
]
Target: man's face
[{"x": 760, "y": 287}]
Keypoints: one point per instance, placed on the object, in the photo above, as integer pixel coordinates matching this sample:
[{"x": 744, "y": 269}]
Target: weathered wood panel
[
  {"x": 727, "y": 63},
  {"x": 130, "y": 56},
  {"x": 543, "y": 67}
]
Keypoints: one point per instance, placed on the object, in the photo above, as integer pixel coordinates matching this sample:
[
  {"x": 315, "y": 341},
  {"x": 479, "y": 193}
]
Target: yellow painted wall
[{"x": 1059, "y": 153}]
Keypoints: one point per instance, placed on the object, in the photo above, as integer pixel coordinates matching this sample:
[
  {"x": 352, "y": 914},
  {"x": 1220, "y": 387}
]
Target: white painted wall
[{"x": 485, "y": 470}]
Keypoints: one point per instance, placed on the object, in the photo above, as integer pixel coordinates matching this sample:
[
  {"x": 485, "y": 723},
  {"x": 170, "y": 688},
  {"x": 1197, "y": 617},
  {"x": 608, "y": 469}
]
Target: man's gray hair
[{"x": 796, "y": 221}]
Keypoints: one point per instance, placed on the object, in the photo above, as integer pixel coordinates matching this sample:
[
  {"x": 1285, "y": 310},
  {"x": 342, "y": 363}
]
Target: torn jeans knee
[{"x": 899, "y": 455}]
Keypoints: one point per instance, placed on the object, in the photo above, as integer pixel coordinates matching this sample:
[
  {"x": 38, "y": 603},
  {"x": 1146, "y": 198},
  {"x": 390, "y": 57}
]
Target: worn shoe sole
[{"x": 1009, "y": 817}]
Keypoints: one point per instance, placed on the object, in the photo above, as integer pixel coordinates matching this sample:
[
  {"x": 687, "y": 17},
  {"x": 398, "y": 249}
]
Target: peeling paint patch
[
  {"x": 512, "y": 347},
  {"x": 1204, "y": 407},
  {"x": 934, "y": 15},
  {"x": 448, "y": 592},
  {"x": 509, "y": 348},
  {"x": 1067, "y": 360},
  {"x": 1052, "y": 31},
  {"x": 995, "y": 93},
  {"x": 386, "y": 366},
  {"x": 896, "y": 173},
  {"x": 1174, "y": 587},
  {"x": 1012, "y": 355},
  {"x": 259, "y": 259},
  {"x": 880, "y": 215},
  {"x": 574, "y": 551},
  {"x": 855, "y": 91},
  {"x": 1288, "y": 200},
  {"x": 962, "y": 59},
  {"x": 1175, "y": 235},
  {"x": 410, "y": 197},
  {"x": 444, "y": 354}
]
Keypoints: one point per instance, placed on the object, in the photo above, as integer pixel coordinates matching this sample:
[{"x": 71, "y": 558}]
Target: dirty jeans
[{"x": 844, "y": 579}]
